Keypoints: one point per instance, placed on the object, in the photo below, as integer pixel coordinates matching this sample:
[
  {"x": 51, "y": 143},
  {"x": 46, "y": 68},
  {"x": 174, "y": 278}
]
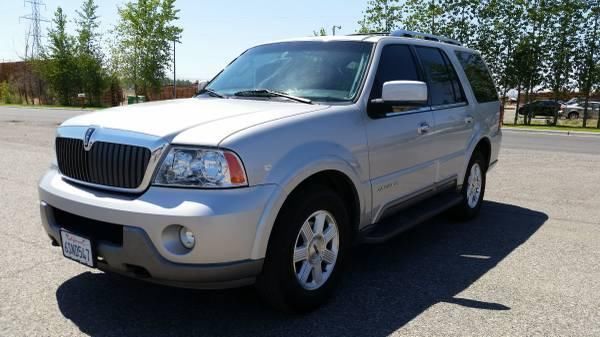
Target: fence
[{"x": 166, "y": 92}]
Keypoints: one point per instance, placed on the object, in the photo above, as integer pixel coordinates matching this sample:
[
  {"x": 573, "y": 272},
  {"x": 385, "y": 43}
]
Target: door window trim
[
  {"x": 448, "y": 106},
  {"x": 408, "y": 112}
]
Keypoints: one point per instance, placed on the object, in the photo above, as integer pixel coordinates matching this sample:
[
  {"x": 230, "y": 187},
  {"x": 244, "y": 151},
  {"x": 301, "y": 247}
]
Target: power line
[{"x": 35, "y": 31}]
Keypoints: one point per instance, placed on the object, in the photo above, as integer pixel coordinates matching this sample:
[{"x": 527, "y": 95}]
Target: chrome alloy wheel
[
  {"x": 316, "y": 250},
  {"x": 474, "y": 187}
]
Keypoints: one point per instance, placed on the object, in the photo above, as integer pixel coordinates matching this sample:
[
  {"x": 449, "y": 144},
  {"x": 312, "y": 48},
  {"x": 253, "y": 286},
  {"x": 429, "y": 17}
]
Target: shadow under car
[{"x": 385, "y": 287}]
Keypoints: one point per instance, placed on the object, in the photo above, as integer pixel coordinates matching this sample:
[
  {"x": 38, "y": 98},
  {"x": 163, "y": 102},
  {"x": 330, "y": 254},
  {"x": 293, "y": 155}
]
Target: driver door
[{"x": 399, "y": 137}]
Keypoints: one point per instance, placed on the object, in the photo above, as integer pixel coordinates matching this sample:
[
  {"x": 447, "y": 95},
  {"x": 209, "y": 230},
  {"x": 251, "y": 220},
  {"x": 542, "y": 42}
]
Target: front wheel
[
  {"x": 473, "y": 189},
  {"x": 306, "y": 251},
  {"x": 573, "y": 116}
]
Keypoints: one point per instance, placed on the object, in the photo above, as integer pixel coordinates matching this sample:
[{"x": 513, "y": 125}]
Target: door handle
[
  {"x": 423, "y": 128},
  {"x": 469, "y": 120}
]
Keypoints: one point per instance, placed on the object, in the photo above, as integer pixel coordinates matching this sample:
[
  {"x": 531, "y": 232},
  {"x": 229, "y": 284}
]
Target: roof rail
[
  {"x": 369, "y": 34},
  {"x": 424, "y": 36}
]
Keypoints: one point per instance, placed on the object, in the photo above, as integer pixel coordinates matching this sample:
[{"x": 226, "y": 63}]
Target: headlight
[{"x": 207, "y": 168}]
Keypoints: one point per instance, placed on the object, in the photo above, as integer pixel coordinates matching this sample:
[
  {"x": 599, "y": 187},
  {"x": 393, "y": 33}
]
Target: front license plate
[{"x": 77, "y": 248}]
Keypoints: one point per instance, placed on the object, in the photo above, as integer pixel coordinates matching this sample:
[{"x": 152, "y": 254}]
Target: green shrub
[{"x": 5, "y": 94}]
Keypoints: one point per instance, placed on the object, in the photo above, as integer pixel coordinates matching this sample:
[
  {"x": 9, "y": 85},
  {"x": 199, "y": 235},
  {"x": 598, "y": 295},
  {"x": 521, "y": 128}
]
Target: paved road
[
  {"x": 37, "y": 116},
  {"x": 572, "y": 143},
  {"x": 527, "y": 266}
]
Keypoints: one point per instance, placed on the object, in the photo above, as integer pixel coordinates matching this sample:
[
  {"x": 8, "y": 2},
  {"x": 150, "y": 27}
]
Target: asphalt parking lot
[{"x": 529, "y": 265}]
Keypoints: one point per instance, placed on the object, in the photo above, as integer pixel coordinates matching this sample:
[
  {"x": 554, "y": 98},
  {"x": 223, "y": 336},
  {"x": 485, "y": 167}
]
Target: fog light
[{"x": 187, "y": 238}]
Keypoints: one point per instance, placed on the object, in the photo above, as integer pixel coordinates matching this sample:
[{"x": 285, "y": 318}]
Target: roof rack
[
  {"x": 411, "y": 34},
  {"x": 369, "y": 33},
  {"x": 424, "y": 36}
]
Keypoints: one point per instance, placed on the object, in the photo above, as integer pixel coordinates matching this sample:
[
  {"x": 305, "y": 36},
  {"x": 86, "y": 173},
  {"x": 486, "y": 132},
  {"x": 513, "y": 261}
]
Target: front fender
[{"x": 297, "y": 166}]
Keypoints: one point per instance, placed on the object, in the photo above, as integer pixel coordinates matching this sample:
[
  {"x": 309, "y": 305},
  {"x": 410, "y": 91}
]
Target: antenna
[{"x": 35, "y": 33}]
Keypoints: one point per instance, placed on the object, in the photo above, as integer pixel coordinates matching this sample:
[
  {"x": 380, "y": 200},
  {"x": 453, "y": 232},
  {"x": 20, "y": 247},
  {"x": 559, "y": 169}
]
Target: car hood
[{"x": 202, "y": 121}]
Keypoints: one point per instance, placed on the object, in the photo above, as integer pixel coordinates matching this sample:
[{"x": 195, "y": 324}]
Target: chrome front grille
[{"x": 108, "y": 164}]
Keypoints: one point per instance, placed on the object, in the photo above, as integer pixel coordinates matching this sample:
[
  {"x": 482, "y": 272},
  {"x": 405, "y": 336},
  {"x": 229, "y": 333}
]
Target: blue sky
[{"x": 214, "y": 32}]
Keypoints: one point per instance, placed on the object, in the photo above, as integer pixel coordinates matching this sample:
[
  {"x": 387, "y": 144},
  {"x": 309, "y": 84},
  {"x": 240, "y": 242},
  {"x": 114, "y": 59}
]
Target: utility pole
[
  {"x": 334, "y": 28},
  {"x": 432, "y": 16},
  {"x": 590, "y": 65},
  {"x": 174, "y": 71},
  {"x": 35, "y": 33}
]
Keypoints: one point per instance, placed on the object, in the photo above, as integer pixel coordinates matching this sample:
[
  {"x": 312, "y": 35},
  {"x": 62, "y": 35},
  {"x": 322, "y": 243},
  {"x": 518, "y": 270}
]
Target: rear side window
[
  {"x": 479, "y": 76},
  {"x": 444, "y": 85},
  {"x": 395, "y": 64}
]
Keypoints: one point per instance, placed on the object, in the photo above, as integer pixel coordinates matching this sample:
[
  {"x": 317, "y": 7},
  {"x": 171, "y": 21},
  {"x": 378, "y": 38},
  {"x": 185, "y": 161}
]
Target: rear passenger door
[{"x": 452, "y": 116}]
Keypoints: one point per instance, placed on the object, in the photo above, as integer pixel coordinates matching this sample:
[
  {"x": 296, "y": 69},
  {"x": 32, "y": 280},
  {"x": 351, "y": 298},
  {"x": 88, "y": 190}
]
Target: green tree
[
  {"x": 499, "y": 30},
  {"x": 89, "y": 55},
  {"x": 381, "y": 16},
  {"x": 422, "y": 16},
  {"x": 459, "y": 20},
  {"x": 587, "y": 56},
  {"x": 145, "y": 34},
  {"x": 537, "y": 18},
  {"x": 519, "y": 65},
  {"x": 59, "y": 66},
  {"x": 561, "y": 40},
  {"x": 320, "y": 32}
]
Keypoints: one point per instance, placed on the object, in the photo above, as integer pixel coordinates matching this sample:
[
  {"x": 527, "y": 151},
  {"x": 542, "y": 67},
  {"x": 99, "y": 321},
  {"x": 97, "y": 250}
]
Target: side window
[
  {"x": 444, "y": 86},
  {"x": 395, "y": 64},
  {"x": 459, "y": 93},
  {"x": 479, "y": 76}
]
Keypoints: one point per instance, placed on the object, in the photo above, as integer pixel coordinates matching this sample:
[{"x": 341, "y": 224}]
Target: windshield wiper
[
  {"x": 271, "y": 93},
  {"x": 211, "y": 92}
]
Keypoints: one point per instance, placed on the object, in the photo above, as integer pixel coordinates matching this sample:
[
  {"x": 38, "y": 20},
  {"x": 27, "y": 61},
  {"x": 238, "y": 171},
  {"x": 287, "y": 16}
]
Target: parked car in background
[
  {"x": 576, "y": 110},
  {"x": 573, "y": 100},
  {"x": 541, "y": 108}
]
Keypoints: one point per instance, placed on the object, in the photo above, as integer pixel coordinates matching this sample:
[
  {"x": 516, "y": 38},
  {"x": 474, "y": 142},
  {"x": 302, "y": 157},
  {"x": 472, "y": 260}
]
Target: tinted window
[
  {"x": 459, "y": 93},
  {"x": 479, "y": 76},
  {"x": 395, "y": 64},
  {"x": 444, "y": 86}
]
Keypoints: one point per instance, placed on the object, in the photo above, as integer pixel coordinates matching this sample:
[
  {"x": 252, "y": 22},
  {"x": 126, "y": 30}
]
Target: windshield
[{"x": 318, "y": 71}]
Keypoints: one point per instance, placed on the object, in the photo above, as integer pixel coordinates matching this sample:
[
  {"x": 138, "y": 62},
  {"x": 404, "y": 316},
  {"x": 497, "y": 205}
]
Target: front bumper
[{"x": 224, "y": 222}]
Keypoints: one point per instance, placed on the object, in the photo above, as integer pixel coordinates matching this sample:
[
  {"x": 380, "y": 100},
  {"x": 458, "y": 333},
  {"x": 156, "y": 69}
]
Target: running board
[{"x": 407, "y": 218}]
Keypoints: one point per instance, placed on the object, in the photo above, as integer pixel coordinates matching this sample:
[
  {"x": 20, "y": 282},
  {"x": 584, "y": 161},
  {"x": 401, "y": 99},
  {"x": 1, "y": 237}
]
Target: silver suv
[{"x": 293, "y": 153}]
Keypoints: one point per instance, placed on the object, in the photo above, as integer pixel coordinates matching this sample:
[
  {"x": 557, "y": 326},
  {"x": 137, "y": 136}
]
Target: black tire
[
  {"x": 466, "y": 210},
  {"x": 573, "y": 116},
  {"x": 278, "y": 284}
]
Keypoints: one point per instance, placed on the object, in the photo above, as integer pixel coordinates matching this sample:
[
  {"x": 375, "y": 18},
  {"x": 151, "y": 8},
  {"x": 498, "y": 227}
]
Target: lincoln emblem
[{"x": 88, "y": 141}]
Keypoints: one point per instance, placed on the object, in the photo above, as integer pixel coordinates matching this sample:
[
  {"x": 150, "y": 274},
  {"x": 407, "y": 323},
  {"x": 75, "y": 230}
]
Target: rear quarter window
[{"x": 479, "y": 77}]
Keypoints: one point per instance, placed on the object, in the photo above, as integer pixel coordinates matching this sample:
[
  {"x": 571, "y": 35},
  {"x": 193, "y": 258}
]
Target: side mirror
[
  {"x": 411, "y": 92},
  {"x": 201, "y": 86}
]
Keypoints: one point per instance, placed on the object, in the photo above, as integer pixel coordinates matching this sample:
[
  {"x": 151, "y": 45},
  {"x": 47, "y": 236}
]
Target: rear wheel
[
  {"x": 473, "y": 188},
  {"x": 306, "y": 251}
]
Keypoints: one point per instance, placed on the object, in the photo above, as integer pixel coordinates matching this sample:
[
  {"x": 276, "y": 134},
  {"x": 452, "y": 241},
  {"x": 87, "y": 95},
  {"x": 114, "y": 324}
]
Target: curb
[{"x": 557, "y": 132}]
